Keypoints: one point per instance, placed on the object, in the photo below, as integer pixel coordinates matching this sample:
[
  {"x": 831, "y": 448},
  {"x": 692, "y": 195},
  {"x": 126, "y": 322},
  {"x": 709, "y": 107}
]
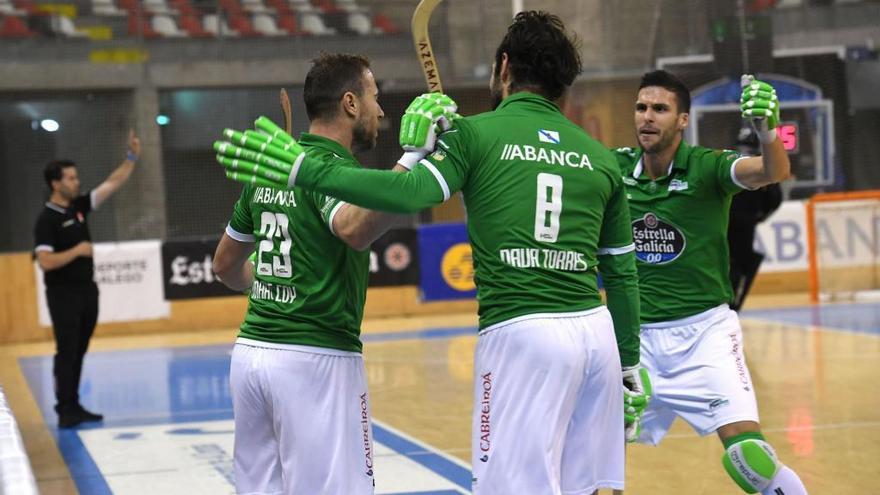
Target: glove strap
[
  {"x": 766, "y": 137},
  {"x": 410, "y": 158}
]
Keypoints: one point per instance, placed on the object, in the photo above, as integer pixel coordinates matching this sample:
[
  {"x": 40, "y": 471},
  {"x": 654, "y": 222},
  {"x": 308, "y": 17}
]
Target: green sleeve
[
  {"x": 241, "y": 221},
  {"x": 722, "y": 166},
  {"x": 382, "y": 190},
  {"x": 617, "y": 265}
]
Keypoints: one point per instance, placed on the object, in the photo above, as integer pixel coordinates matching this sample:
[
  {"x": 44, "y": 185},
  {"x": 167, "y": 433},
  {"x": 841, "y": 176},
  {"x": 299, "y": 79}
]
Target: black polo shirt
[{"x": 59, "y": 229}]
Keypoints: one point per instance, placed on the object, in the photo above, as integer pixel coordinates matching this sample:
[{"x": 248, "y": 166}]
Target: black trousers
[{"x": 74, "y": 312}]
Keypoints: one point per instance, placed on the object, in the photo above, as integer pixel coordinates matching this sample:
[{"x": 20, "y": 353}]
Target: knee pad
[{"x": 752, "y": 463}]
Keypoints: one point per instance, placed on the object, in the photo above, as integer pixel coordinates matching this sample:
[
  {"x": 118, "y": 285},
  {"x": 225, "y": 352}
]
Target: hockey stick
[{"x": 421, "y": 18}]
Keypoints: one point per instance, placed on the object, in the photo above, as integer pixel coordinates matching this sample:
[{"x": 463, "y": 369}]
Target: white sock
[{"x": 786, "y": 482}]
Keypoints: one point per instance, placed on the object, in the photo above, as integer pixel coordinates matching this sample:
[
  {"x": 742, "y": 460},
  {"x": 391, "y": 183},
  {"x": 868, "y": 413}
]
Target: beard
[
  {"x": 495, "y": 93},
  {"x": 362, "y": 139},
  {"x": 665, "y": 141}
]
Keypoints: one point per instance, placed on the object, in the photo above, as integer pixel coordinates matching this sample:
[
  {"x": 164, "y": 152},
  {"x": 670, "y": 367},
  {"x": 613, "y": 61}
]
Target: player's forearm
[
  {"x": 382, "y": 190},
  {"x": 359, "y": 227},
  {"x": 53, "y": 261},
  {"x": 238, "y": 278},
  {"x": 620, "y": 279},
  {"x": 777, "y": 166}
]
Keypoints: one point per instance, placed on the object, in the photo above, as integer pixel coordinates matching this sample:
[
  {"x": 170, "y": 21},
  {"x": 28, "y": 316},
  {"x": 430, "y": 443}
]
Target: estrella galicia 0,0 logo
[{"x": 656, "y": 241}]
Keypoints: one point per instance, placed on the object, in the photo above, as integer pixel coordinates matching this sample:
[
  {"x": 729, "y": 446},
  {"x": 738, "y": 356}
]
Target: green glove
[
  {"x": 427, "y": 115},
  {"x": 269, "y": 158},
  {"x": 760, "y": 105},
  {"x": 637, "y": 392}
]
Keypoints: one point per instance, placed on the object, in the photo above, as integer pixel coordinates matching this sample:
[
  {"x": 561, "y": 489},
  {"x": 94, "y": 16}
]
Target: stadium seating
[
  {"x": 197, "y": 18},
  {"x": 166, "y": 27},
  {"x": 8, "y": 8},
  {"x": 314, "y": 24},
  {"x": 217, "y": 26},
  {"x": 13, "y": 27},
  {"x": 191, "y": 24},
  {"x": 107, "y": 8},
  {"x": 63, "y": 26},
  {"x": 265, "y": 25},
  {"x": 140, "y": 26}
]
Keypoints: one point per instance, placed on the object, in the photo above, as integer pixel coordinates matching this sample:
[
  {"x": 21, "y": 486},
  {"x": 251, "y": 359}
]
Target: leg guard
[{"x": 750, "y": 461}]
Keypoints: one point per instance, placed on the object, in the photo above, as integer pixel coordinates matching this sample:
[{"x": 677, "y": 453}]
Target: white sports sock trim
[
  {"x": 614, "y": 251},
  {"x": 238, "y": 236},
  {"x": 437, "y": 175}
]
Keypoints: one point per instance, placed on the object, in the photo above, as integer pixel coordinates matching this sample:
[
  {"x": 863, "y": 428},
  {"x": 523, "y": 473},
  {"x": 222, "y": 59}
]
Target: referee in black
[{"x": 63, "y": 249}]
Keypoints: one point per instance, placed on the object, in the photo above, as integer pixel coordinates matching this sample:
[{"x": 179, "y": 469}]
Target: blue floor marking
[
  {"x": 857, "y": 317},
  {"x": 190, "y": 386},
  {"x": 431, "y": 460}
]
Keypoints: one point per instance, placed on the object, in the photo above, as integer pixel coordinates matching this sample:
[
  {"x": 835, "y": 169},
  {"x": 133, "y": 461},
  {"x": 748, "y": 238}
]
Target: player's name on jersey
[
  {"x": 552, "y": 259},
  {"x": 267, "y": 195},
  {"x": 284, "y": 294},
  {"x": 549, "y": 156}
]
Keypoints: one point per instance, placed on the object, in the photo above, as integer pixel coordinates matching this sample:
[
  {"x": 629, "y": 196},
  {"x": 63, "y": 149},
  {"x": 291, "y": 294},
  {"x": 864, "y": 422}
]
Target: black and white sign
[
  {"x": 186, "y": 269},
  {"x": 394, "y": 259}
]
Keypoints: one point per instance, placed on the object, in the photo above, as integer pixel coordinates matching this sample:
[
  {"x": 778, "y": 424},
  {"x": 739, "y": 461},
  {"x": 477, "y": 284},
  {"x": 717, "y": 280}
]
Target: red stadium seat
[
  {"x": 130, "y": 5},
  {"x": 280, "y": 6},
  {"x": 242, "y": 24},
  {"x": 13, "y": 27},
  {"x": 384, "y": 23},
  {"x": 140, "y": 26},
  {"x": 326, "y": 6},
  {"x": 288, "y": 23},
  {"x": 231, "y": 6},
  {"x": 192, "y": 25}
]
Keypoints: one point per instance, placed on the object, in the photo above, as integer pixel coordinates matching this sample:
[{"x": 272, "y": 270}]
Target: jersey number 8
[
  {"x": 274, "y": 225},
  {"x": 548, "y": 207}
]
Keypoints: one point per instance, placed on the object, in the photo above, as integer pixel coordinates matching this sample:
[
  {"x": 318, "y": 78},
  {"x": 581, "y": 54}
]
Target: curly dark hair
[
  {"x": 540, "y": 54},
  {"x": 671, "y": 83},
  {"x": 331, "y": 76}
]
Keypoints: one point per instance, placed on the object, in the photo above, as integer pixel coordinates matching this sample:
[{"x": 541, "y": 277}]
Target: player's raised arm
[
  {"x": 760, "y": 106},
  {"x": 264, "y": 159}
]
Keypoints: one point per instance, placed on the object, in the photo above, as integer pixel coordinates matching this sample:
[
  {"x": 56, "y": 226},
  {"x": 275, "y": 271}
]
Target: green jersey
[
  {"x": 546, "y": 208},
  {"x": 679, "y": 225},
  {"x": 309, "y": 286}
]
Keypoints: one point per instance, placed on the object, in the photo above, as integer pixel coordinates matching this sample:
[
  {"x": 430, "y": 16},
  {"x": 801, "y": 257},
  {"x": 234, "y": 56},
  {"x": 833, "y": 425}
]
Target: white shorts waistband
[
  {"x": 535, "y": 316},
  {"x": 690, "y": 320},
  {"x": 295, "y": 347}
]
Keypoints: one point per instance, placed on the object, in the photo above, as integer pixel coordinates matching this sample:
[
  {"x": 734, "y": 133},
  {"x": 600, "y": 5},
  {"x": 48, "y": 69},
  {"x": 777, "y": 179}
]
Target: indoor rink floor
[{"x": 168, "y": 426}]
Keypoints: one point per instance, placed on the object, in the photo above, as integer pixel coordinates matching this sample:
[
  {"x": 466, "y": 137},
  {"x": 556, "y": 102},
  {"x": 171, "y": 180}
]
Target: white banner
[
  {"x": 129, "y": 277},
  {"x": 783, "y": 239}
]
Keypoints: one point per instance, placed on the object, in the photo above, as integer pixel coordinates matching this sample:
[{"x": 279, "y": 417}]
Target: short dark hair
[
  {"x": 540, "y": 54},
  {"x": 671, "y": 83},
  {"x": 331, "y": 76},
  {"x": 55, "y": 169}
]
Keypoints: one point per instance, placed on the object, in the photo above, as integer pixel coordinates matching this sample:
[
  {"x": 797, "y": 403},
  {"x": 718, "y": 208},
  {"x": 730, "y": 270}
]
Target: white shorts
[
  {"x": 302, "y": 420},
  {"x": 699, "y": 372},
  {"x": 548, "y": 414}
]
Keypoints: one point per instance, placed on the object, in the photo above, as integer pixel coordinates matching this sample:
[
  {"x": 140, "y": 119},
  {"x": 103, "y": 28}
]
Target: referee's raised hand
[{"x": 133, "y": 152}]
